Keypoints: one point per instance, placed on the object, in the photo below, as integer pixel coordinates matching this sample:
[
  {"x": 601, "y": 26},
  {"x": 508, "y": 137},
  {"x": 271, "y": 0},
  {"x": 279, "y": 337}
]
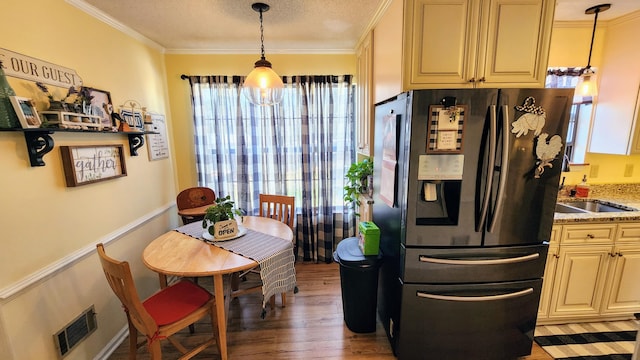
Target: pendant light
[
  {"x": 587, "y": 83},
  {"x": 263, "y": 86}
]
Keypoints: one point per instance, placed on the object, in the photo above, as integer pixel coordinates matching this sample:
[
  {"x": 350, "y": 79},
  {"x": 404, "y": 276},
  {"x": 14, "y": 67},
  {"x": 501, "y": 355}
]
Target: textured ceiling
[
  {"x": 290, "y": 26},
  {"x": 232, "y": 26}
]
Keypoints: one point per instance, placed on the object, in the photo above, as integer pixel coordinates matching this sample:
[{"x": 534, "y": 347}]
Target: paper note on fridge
[{"x": 440, "y": 167}]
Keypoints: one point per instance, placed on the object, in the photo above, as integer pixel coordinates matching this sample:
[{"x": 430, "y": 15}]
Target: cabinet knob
[
  {"x": 620, "y": 254},
  {"x": 482, "y": 79},
  {"x": 613, "y": 254},
  {"x": 556, "y": 256},
  {"x": 591, "y": 236},
  {"x": 472, "y": 80}
]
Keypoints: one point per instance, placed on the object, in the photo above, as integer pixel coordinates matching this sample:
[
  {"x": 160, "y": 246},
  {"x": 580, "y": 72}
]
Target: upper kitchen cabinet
[
  {"x": 614, "y": 129},
  {"x": 476, "y": 43},
  {"x": 364, "y": 68}
]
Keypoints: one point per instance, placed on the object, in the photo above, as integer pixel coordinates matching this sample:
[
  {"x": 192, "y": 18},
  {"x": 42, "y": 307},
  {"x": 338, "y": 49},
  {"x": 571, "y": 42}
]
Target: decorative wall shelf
[{"x": 39, "y": 141}]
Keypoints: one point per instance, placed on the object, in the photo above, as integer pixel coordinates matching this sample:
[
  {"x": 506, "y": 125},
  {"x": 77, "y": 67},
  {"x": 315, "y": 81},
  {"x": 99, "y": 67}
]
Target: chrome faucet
[{"x": 565, "y": 163}]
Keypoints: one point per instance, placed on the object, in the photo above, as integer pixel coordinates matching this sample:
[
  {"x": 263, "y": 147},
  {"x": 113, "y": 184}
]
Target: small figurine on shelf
[{"x": 119, "y": 123}]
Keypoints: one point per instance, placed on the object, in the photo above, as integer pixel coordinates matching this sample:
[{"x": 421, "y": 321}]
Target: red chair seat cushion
[{"x": 175, "y": 302}]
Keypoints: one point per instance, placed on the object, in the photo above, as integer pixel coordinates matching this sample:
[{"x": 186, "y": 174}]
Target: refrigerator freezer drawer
[
  {"x": 473, "y": 265},
  {"x": 487, "y": 321}
]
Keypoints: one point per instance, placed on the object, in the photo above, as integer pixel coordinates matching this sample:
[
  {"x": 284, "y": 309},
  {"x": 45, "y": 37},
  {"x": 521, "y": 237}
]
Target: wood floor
[{"x": 311, "y": 326}]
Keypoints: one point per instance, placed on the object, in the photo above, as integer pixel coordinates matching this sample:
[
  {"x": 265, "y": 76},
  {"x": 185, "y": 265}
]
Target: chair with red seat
[{"x": 161, "y": 315}]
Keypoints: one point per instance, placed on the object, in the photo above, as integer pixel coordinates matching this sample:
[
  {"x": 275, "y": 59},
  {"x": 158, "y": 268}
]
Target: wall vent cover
[{"x": 76, "y": 331}]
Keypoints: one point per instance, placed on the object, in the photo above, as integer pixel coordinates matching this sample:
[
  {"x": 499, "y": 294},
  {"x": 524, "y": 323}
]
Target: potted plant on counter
[
  {"x": 359, "y": 182},
  {"x": 219, "y": 219}
]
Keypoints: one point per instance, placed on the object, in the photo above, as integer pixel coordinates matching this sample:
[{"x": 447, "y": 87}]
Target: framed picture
[
  {"x": 89, "y": 164},
  {"x": 445, "y": 129},
  {"x": 100, "y": 105},
  {"x": 26, "y": 111},
  {"x": 157, "y": 144}
]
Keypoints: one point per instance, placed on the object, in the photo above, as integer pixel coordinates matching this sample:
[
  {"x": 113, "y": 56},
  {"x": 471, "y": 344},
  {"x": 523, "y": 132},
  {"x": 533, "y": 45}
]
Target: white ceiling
[{"x": 290, "y": 26}]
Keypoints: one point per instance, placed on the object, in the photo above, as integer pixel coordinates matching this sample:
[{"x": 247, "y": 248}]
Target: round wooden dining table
[{"x": 174, "y": 253}]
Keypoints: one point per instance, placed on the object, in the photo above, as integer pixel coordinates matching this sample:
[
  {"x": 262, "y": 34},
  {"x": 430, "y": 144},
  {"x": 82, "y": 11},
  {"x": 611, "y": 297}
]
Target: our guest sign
[{"x": 89, "y": 164}]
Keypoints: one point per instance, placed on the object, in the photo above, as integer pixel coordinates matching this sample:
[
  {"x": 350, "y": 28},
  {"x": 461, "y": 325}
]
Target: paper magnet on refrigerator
[
  {"x": 533, "y": 118},
  {"x": 546, "y": 151}
]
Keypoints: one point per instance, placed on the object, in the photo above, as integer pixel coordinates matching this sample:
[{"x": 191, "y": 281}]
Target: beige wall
[
  {"x": 49, "y": 272},
  {"x": 180, "y": 95},
  {"x": 570, "y": 47}
]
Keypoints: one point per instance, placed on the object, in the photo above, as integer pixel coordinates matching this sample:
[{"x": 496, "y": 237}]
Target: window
[{"x": 578, "y": 131}]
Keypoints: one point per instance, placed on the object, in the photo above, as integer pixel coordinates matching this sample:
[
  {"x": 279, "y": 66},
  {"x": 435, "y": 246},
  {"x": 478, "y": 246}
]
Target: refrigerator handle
[
  {"x": 504, "y": 169},
  {"x": 513, "y": 260},
  {"x": 490, "y": 165},
  {"x": 475, "y": 298}
]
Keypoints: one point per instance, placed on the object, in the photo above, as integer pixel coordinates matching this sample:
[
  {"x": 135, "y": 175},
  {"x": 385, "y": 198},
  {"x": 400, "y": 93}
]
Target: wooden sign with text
[
  {"x": 28, "y": 68},
  {"x": 89, "y": 164}
]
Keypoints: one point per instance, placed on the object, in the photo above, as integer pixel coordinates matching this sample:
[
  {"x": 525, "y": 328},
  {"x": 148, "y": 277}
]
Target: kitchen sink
[
  {"x": 566, "y": 209},
  {"x": 588, "y": 206}
]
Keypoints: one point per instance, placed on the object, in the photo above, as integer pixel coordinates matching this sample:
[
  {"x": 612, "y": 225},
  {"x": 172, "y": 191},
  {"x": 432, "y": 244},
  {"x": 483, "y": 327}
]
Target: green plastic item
[{"x": 369, "y": 239}]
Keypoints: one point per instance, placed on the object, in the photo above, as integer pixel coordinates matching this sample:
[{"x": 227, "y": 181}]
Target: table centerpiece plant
[{"x": 219, "y": 219}]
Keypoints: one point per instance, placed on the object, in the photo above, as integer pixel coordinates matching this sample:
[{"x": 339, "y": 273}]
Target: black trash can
[{"x": 359, "y": 283}]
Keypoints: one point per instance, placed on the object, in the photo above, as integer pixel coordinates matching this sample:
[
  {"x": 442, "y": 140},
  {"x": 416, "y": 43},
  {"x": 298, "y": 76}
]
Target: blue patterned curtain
[{"x": 300, "y": 147}]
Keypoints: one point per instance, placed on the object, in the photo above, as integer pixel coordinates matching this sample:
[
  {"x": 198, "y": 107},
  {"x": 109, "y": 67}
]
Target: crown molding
[{"x": 96, "y": 13}]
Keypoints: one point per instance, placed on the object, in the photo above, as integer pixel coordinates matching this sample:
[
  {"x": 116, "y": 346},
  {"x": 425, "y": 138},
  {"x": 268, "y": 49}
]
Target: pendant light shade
[
  {"x": 587, "y": 83},
  {"x": 263, "y": 86}
]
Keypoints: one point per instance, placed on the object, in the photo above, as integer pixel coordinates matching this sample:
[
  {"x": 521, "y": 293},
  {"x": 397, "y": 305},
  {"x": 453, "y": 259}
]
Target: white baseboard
[{"x": 113, "y": 344}]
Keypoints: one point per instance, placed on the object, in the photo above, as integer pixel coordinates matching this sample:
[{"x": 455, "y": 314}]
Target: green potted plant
[
  {"x": 358, "y": 181},
  {"x": 219, "y": 219}
]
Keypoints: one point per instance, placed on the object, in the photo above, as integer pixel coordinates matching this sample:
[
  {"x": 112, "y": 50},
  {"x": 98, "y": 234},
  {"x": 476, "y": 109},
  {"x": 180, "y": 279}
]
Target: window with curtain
[
  {"x": 300, "y": 147},
  {"x": 580, "y": 118}
]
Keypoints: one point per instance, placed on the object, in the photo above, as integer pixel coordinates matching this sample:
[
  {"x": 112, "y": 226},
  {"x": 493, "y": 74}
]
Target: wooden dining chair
[
  {"x": 192, "y": 198},
  {"x": 278, "y": 207},
  {"x": 163, "y": 314}
]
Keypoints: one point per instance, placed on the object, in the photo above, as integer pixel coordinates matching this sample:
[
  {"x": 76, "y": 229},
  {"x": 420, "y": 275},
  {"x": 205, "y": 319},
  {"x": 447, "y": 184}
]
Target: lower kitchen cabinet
[
  {"x": 579, "y": 281},
  {"x": 591, "y": 274},
  {"x": 623, "y": 288},
  {"x": 547, "y": 280}
]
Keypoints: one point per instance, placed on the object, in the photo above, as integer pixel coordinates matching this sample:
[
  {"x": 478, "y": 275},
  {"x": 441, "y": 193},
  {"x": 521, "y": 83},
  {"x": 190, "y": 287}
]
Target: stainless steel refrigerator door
[
  {"x": 461, "y": 196},
  {"x": 522, "y": 206},
  {"x": 480, "y": 322}
]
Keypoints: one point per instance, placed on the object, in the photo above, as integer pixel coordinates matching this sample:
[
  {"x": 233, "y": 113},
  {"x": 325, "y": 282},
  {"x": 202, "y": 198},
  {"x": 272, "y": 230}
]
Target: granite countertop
[{"x": 625, "y": 195}]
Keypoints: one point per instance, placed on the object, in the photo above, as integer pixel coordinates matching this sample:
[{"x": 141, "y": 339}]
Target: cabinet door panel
[
  {"x": 515, "y": 50},
  {"x": 623, "y": 293},
  {"x": 442, "y": 45},
  {"x": 580, "y": 281},
  {"x": 548, "y": 281}
]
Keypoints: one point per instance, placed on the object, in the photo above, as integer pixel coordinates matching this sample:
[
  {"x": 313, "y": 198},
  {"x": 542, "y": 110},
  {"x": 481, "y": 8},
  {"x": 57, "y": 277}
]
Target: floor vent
[{"x": 76, "y": 331}]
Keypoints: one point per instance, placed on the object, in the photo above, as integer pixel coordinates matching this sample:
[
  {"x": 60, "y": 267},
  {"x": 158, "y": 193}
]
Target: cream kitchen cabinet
[
  {"x": 547, "y": 281},
  {"x": 592, "y": 273},
  {"x": 476, "y": 43},
  {"x": 579, "y": 281},
  {"x": 549, "y": 271},
  {"x": 364, "y": 59},
  {"x": 623, "y": 290},
  {"x": 615, "y": 123}
]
